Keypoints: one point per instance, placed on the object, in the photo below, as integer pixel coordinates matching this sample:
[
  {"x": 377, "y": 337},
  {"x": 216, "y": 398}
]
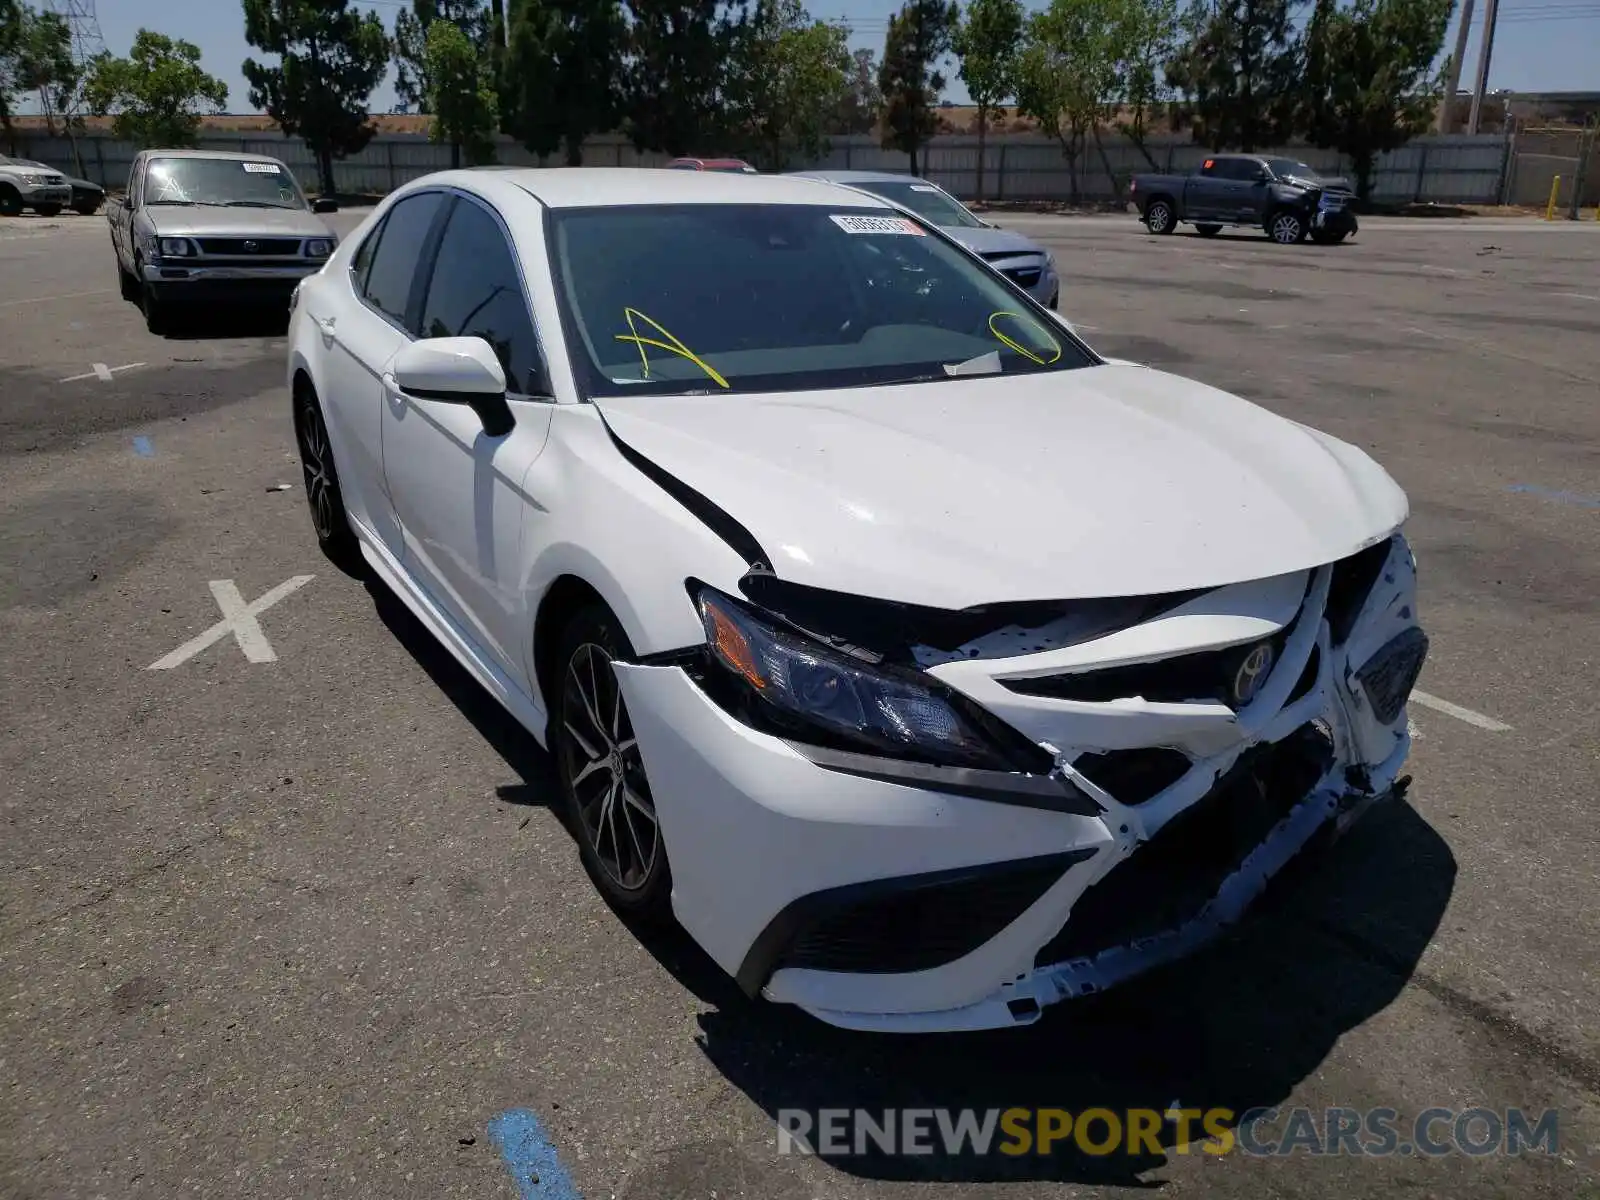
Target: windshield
[
  {"x": 769, "y": 298},
  {"x": 225, "y": 181},
  {"x": 1292, "y": 166},
  {"x": 933, "y": 205}
]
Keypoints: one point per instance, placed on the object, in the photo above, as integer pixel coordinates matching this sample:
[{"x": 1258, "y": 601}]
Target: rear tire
[
  {"x": 1286, "y": 227},
  {"x": 1160, "y": 217},
  {"x": 1208, "y": 230},
  {"x": 603, "y": 784},
  {"x": 323, "y": 495}
]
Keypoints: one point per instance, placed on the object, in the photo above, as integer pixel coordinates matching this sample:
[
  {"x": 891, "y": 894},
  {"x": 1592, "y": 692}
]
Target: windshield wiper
[{"x": 250, "y": 204}]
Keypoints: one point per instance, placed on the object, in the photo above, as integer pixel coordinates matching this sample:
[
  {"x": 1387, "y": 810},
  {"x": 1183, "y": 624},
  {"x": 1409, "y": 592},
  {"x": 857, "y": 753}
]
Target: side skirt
[{"x": 462, "y": 648}]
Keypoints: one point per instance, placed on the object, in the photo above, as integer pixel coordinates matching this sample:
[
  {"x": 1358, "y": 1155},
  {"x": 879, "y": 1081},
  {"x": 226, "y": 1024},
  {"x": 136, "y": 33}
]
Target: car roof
[
  {"x": 585, "y": 187},
  {"x": 843, "y": 176},
  {"x": 224, "y": 155}
]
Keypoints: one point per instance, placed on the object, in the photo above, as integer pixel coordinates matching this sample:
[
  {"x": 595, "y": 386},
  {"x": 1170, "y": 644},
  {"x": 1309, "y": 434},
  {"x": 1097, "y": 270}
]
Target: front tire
[
  {"x": 1323, "y": 237},
  {"x": 47, "y": 210},
  {"x": 10, "y": 201},
  {"x": 1208, "y": 230},
  {"x": 1160, "y": 217},
  {"x": 603, "y": 783},
  {"x": 127, "y": 284},
  {"x": 1286, "y": 227},
  {"x": 323, "y": 495}
]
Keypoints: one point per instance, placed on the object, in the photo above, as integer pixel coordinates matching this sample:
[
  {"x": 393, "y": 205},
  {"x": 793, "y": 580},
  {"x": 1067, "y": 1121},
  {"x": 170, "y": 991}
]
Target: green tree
[
  {"x": 1067, "y": 77},
  {"x": 790, "y": 79},
  {"x": 156, "y": 95},
  {"x": 329, "y": 60},
  {"x": 1147, "y": 40},
  {"x": 1369, "y": 83},
  {"x": 862, "y": 101},
  {"x": 411, "y": 26},
  {"x": 987, "y": 44},
  {"x": 561, "y": 82},
  {"x": 10, "y": 39},
  {"x": 44, "y": 65},
  {"x": 919, "y": 35},
  {"x": 674, "y": 83},
  {"x": 1239, "y": 66},
  {"x": 461, "y": 95}
]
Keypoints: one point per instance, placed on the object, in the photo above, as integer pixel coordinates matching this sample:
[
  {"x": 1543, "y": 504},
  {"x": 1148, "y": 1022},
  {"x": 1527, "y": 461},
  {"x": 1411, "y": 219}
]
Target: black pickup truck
[{"x": 1284, "y": 197}]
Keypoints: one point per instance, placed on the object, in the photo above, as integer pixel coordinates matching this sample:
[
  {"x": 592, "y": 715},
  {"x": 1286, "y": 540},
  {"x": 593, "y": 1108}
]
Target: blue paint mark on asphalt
[
  {"x": 143, "y": 448},
  {"x": 531, "y": 1157},
  {"x": 1544, "y": 493}
]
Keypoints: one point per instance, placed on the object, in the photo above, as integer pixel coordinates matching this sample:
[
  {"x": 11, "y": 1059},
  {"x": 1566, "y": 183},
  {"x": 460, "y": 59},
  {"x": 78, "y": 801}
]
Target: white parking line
[
  {"x": 1575, "y": 296},
  {"x": 32, "y": 300},
  {"x": 1459, "y": 713},
  {"x": 102, "y": 372}
]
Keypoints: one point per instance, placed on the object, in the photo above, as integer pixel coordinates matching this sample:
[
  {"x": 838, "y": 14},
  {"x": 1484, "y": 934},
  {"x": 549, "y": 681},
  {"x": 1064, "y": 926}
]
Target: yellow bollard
[{"x": 1555, "y": 190}]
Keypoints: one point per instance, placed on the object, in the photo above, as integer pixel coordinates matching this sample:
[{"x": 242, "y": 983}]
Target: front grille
[
  {"x": 1208, "y": 675},
  {"x": 1133, "y": 776},
  {"x": 1390, "y": 674},
  {"x": 925, "y": 922},
  {"x": 250, "y": 247},
  {"x": 1025, "y": 276},
  {"x": 1169, "y": 880}
]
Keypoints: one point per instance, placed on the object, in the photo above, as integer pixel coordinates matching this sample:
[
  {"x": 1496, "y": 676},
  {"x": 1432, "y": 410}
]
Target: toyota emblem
[
  {"x": 251, "y": 247},
  {"x": 1252, "y": 673}
]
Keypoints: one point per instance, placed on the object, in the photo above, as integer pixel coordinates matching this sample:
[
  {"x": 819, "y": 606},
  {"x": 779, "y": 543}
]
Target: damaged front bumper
[{"x": 884, "y": 898}]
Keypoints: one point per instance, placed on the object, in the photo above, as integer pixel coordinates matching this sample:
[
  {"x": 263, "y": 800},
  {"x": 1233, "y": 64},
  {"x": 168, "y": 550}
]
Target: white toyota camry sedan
[{"x": 927, "y": 667}]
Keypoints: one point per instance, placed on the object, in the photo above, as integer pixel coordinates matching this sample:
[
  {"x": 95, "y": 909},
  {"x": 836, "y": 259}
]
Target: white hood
[{"x": 1105, "y": 481}]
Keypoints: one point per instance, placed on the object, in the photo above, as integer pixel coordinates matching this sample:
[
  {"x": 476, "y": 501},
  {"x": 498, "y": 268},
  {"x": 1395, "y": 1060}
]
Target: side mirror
[
  {"x": 457, "y": 370},
  {"x": 324, "y": 205}
]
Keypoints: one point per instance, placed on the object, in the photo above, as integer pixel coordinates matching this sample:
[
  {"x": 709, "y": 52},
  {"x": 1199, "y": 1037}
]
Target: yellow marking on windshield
[
  {"x": 1018, "y": 346},
  {"x": 672, "y": 345}
]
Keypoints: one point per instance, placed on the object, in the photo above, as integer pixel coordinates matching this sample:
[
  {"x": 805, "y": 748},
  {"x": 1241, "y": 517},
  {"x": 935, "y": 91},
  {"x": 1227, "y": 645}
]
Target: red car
[{"x": 734, "y": 166}]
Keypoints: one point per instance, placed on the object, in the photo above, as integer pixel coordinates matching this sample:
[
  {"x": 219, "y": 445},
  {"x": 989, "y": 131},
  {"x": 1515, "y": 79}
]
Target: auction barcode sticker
[
  {"x": 261, "y": 168},
  {"x": 876, "y": 224}
]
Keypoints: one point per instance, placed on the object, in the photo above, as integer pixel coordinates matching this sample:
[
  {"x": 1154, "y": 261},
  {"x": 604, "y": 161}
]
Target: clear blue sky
[{"x": 1540, "y": 45}]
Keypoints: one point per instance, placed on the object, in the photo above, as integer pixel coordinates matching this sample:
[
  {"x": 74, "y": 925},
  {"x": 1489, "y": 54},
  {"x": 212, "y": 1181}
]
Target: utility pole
[
  {"x": 1490, "y": 12},
  {"x": 1447, "y": 103},
  {"x": 87, "y": 42}
]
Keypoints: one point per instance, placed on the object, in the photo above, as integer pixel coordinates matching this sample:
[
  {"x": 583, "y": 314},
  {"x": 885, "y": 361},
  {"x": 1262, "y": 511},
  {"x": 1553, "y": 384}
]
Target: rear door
[
  {"x": 1203, "y": 194},
  {"x": 363, "y": 320}
]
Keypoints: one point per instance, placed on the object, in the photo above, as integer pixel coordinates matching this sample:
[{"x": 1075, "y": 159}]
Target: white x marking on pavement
[{"x": 239, "y": 619}]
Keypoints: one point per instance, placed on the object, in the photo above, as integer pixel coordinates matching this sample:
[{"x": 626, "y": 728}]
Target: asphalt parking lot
[{"x": 289, "y": 915}]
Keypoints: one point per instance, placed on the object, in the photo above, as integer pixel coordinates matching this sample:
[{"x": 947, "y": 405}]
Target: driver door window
[{"x": 476, "y": 291}]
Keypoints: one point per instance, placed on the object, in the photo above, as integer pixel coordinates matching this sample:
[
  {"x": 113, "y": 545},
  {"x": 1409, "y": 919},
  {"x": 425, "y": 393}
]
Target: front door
[{"x": 457, "y": 491}]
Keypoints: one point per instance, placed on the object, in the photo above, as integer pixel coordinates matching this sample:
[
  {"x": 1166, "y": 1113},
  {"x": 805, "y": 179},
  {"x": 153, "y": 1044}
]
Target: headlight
[
  {"x": 319, "y": 248},
  {"x": 36, "y": 180},
  {"x": 801, "y": 688},
  {"x": 175, "y": 248}
]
